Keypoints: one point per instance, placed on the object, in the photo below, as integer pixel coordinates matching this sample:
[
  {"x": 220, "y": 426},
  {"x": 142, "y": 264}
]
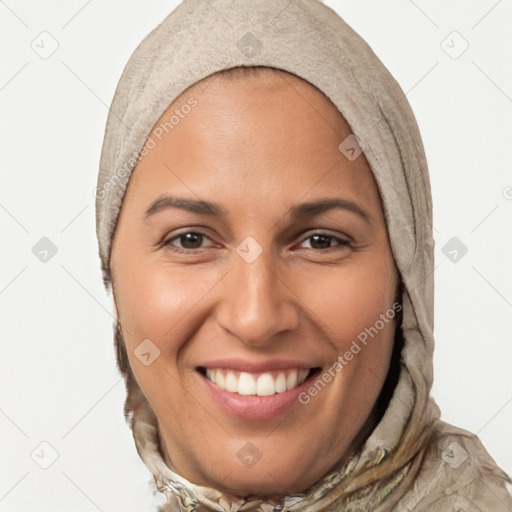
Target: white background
[{"x": 58, "y": 378}]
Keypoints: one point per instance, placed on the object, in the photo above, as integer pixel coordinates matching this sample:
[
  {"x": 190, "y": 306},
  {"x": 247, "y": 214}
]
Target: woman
[{"x": 264, "y": 219}]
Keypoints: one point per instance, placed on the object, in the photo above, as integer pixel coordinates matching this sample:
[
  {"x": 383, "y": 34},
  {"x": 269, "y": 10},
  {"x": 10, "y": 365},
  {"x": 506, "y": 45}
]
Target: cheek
[
  {"x": 354, "y": 305},
  {"x": 157, "y": 301},
  {"x": 350, "y": 299}
]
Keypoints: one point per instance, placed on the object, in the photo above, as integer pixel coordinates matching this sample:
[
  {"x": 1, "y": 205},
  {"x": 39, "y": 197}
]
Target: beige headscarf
[{"x": 411, "y": 460}]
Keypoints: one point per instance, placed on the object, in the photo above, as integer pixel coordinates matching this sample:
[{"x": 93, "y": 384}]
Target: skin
[{"x": 256, "y": 146}]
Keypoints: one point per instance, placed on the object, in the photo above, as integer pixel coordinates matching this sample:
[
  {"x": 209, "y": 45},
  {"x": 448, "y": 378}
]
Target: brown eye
[
  {"x": 323, "y": 241},
  {"x": 189, "y": 241}
]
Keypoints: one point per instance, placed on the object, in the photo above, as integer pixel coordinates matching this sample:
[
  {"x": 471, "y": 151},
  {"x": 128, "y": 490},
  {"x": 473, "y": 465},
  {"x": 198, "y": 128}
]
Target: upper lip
[{"x": 245, "y": 365}]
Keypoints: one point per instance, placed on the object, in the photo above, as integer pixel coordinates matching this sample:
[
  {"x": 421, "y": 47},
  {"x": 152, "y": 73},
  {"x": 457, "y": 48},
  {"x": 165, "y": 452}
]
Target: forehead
[
  {"x": 266, "y": 89},
  {"x": 254, "y": 133}
]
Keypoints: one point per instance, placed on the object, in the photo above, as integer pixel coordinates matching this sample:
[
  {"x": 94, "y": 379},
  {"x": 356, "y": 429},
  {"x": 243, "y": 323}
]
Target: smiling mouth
[{"x": 257, "y": 384}]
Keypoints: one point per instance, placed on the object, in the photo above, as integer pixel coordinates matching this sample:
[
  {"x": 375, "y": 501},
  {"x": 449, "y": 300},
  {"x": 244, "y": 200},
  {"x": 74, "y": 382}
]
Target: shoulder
[{"x": 456, "y": 473}]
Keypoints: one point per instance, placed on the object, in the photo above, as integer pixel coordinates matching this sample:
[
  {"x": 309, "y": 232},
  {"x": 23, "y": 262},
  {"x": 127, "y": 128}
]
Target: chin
[
  {"x": 265, "y": 483},
  {"x": 282, "y": 476}
]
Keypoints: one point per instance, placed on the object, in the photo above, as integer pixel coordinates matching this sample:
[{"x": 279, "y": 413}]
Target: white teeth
[
  {"x": 231, "y": 382},
  {"x": 281, "y": 383},
  {"x": 264, "y": 384},
  {"x": 219, "y": 379},
  {"x": 246, "y": 384},
  {"x": 291, "y": 380}
]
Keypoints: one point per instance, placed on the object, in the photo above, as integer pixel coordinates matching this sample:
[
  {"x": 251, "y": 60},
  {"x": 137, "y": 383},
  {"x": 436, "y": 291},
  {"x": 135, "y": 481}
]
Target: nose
[{"x": 257, "y": 303}]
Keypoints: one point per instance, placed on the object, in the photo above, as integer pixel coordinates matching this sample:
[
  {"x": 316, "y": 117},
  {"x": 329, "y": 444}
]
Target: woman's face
[{"x": 256, "y": 312}]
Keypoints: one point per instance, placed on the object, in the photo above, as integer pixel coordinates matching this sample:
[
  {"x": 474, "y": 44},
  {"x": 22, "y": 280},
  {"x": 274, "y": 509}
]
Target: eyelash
[{"x": 341, "y": 242}]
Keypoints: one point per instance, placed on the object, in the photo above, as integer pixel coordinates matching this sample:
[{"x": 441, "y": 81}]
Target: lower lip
[{"x": 253, "y": 407}]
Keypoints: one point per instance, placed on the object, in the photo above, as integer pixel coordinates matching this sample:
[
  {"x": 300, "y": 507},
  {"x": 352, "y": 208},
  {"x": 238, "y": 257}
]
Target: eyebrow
[{"x": 299, "y": 210}]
